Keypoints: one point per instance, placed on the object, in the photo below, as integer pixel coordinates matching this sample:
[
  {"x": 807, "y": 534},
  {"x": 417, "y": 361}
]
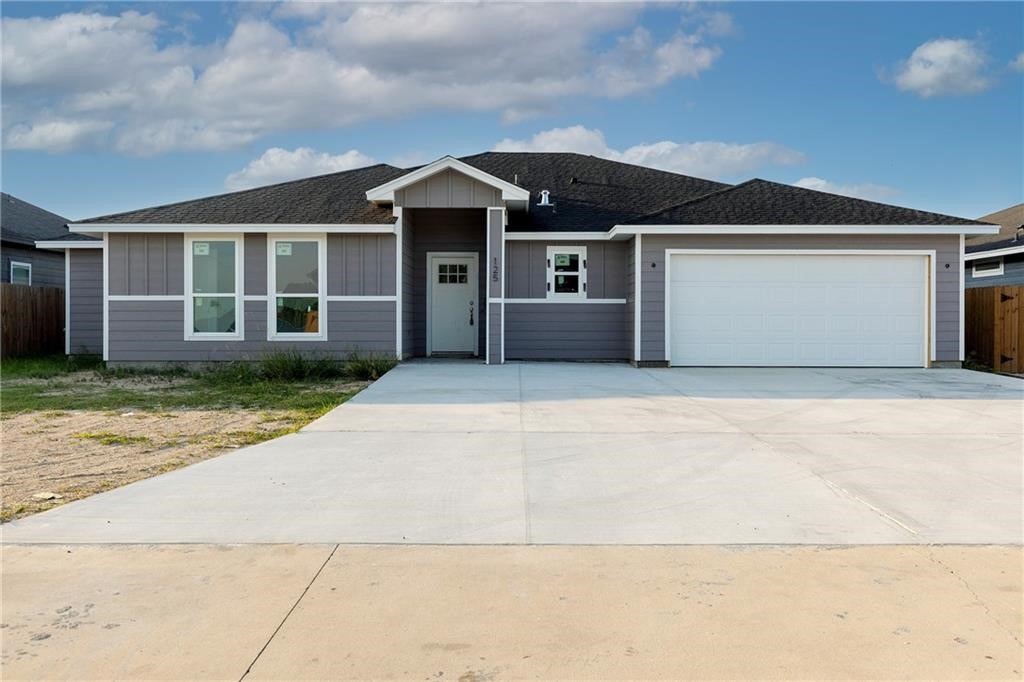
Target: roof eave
[
  {"x": 994, "y": 253},
  {"x": 626, "y": 231}
]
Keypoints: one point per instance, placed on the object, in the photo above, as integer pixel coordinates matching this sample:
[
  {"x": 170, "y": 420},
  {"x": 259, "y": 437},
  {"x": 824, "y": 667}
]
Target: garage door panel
[{"x": 761, "y": 309}]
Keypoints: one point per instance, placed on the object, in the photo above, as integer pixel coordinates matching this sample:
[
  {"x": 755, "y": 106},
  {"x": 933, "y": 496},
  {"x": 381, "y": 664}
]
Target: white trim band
[
  {"x": 68, "y": 244},
  {"x": 213, "y": 228},
  {"x": 994, "y": 253},
  {"x": 561, "y": 301},
  {"x": 146, "y": 297}
]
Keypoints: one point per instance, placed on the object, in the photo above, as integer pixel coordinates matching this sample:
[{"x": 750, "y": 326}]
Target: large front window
[
  {"x": 296, "y": 278},
  {"x": 213, "y": 307}
]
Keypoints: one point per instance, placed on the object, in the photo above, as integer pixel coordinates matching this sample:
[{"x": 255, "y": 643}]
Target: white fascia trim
[
  {"x": 361, "y": 298},
  {"x": 557, "y": 236},
  {"x": 638, "y": 258},
  {"x": 68, "y": 244},
  {"x": 399, "y": 253},
  {"x": 963, "y": 302},
  {"x": 930, "y": 272},
  {"x": 146, "y": 297},
  {"x": 386, "y": 193},
  {"x": 994, "y": 253},
  {"x": 582, "y": 301},
  {"x": 339, "y": 228},
  {"x": 106, "y": 298},
  {"x": 67, "y": 302},
  {"x": 628, "y": 230}
]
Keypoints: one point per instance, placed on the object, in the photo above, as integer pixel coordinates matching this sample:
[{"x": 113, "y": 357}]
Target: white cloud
[
  {"x": 861, "y": 191},
  {"x": 280, "y": 165},
  {"x": 1017, "y": 64},
  {"x": 708, "y": 159},
  {"x": 56, "y": 136},
  {"x": 944, "y": 66},
  {"x": 334, "y": 65}
]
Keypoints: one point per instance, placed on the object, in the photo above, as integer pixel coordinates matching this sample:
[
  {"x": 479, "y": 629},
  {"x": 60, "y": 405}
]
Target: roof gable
[{"x": 385, "y": 193}]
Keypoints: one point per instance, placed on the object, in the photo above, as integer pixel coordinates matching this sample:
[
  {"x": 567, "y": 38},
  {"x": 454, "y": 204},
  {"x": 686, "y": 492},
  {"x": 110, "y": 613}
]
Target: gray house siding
[
  {"x": 947, "y": 285},
  {"x": 448, "y": 189},
  {"x": 146, "y": 264},
  {"x": 153, "y": 331},
  {"x": 1013, "y": 274},
  {"x": 566, "y": 331},
  {"x": 85, "y": 301},
  {"x": 47, "y": 266},
  {"x": 630, "y": 277},
  {"x": 445, "y": 230},
  {"x": 361, "y": 265},
  {"x": 408, "y": 284},
  {"x": 526, "y": 265}
]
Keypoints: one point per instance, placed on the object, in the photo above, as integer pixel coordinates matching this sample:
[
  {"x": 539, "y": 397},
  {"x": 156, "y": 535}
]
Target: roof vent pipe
[{"x": 545, "y": 198}]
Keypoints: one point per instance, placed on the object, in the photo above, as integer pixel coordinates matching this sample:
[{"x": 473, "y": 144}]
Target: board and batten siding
[
  {"x": 567, "y": 330},
  {"x": 153, "y": 330},
  {"x": 1013, "y": 274},
  {"x": 448, "y": 189},
  {"x": 85, "y": 301},
  {"x": 452, "y": 230},
  {"x": 947, "y": 285}
]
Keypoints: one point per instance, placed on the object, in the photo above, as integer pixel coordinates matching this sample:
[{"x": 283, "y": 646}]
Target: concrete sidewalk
[
  {"x": 489, "y": 613},
  {"x": 562, "y": 453}
]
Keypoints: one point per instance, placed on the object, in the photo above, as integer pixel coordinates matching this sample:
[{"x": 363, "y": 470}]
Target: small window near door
[
  {"x": 992, "y": 267},
  {"x": 21, "y": 273},
  {"x": 567, "y": 272}
]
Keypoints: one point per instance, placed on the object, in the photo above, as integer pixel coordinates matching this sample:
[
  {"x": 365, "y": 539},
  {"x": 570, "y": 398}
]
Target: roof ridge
[
  {"x": 696, "y": 199},
  {"x": 602, "y": 159},
  {"x": 237, "y": 192}
]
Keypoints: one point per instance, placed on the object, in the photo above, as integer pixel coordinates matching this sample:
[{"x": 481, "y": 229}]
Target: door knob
[{"x": 470, "y": 313}]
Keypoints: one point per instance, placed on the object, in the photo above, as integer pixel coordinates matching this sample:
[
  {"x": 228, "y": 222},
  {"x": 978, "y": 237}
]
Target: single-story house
[
  {"x": 997, "y": 259},
  {"x": 507, "y": 256},
  {"x": 21, "y": 226}
]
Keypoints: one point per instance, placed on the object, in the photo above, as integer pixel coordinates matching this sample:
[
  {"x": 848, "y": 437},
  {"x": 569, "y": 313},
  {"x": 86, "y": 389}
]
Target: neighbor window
[
  {"x": 21, "y": 273},
  {"x": 297, "y": 268},
  {"x": 567, "y": 272},
  {"x": 213, "y": 283},
  {"x": 992, "y": 267}
]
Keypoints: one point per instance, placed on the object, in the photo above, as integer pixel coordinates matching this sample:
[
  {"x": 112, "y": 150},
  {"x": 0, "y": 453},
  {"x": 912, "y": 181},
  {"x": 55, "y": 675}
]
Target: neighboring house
[
  {"x": 997, "y": 259},
  {"x": 21, "y": 226},
  {"x": 527, "y": 256}
]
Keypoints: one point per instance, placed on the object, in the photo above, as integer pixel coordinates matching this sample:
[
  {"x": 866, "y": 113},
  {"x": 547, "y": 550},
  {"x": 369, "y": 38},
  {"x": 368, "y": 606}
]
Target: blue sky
[{"x": 109, "y": 106}]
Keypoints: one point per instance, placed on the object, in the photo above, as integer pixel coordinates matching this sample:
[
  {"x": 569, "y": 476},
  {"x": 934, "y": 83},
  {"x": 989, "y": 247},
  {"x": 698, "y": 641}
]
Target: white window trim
[
  {"x": 321, "y": 253},
  {"x": 976, "y": 274},
  {"x": 239, "y": 332},
  {"x": 16, "y": 263},
  {"x": 580, "y": 251}
]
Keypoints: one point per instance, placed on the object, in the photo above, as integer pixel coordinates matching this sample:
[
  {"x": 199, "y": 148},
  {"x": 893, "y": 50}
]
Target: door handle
[{"x": 470, "y": 313}]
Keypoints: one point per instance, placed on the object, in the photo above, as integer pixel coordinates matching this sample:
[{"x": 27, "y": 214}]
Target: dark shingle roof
[
  {"x": 24, "y": 223},
  {"x": 333, "y": 198},
  {"x": 589, "y": 193},
  {"x": 75, "y": 237},
  {"x": 1010, "y": 220},
  {"x": 760, "y": 202}
]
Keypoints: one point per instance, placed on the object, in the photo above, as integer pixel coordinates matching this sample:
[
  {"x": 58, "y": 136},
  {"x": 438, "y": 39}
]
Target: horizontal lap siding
[
  {"x": 47, "y": 266},
  {"x": 85, "y": 299},
  {"x": 947, "y": 285},
  {"x": 630, "y": 278},
  {"x": 1013, "y": 274},
  {"x": 566, "y": 331},
  {"x": 153, "y": 331},
  {"x": 408, "y": 284}
]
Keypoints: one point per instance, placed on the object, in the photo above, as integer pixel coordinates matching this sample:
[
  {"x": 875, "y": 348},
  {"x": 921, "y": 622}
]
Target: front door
[{"x": 453, "y": 315}]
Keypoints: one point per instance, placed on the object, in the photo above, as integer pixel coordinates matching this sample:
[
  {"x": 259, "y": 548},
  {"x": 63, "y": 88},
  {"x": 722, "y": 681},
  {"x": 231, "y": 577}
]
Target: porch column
[{"x": 495, "y": 351}]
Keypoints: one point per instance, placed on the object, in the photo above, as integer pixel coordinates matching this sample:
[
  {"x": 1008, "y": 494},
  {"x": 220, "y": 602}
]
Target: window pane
[
  {"x": 213, "y": 315},
  {"x": 567, "y": 262},
  {"x": 982, "y": 266},
  {"x": 20, "y": 275},
  {"x": 213, "y": 267},
  {"x": 298, "y": 315},
  {"x": 296, "y": 266},
  {"x": 567, "y": 284}
]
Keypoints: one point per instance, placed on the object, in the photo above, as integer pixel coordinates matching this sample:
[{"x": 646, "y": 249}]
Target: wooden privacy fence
[
  {"x": 994, "y": 327},
  {"x": 31, "y": 320}
]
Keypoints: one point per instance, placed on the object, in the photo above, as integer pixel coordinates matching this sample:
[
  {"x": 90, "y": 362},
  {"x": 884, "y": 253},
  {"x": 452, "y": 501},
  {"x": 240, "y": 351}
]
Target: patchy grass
[{"x": 108, "y": 438}]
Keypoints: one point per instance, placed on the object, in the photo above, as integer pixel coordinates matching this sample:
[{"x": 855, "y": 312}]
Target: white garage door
[{"x": 798, "y": 310}]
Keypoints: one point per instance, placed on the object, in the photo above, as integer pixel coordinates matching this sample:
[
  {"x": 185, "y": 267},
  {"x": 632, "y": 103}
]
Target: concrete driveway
[{"x": 454, "y": 452}]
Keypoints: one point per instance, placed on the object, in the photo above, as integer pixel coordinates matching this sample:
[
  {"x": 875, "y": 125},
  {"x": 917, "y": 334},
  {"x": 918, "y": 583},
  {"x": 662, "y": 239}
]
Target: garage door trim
[{"x": 929, "y": 331}]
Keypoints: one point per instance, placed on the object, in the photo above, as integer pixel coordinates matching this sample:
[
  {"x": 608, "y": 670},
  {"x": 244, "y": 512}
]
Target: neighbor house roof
[
  {"x": 1010, "y": 221},
  {"x": 761, "y": 202},
  {"x": 587, "y": 193},
  {"x": 24, "y": 223}
]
